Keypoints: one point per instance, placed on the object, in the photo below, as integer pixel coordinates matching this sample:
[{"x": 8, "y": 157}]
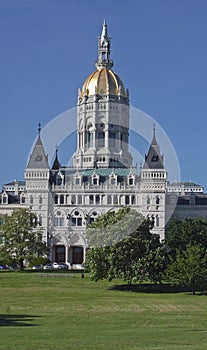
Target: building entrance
[
  {"x": 77, "y": 255},
  {"x": 60, "y": 253}
]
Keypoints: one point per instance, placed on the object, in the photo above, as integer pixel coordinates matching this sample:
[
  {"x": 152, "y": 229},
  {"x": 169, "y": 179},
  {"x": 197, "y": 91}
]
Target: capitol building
[{"x": 103, "y": 176}]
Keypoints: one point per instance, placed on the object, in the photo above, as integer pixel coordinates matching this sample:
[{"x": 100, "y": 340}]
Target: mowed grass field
[{"x": 73, "y": 313}]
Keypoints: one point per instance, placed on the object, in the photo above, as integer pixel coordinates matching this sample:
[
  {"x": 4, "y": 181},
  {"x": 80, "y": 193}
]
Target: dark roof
[
  {"x": 153, "y": 159},
  {"x": 56, "y": 163},
  {"x": 199, "y": 199},
  {"x": 20, "y": 183},
  {"x": 38, "y": 158},
  {"x": 99, "y": 171},
  {"x": 186, "y": 183}
]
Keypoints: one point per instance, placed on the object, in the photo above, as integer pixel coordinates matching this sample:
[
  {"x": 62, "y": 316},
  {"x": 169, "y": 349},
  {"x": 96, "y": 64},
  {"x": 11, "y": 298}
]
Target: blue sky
[{"x": 48, "y": 48}]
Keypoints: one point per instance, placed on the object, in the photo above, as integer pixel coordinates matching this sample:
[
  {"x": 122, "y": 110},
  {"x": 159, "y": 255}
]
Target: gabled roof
[
  {"x": 153, "y": 159},
  {"x": 38, "y": 158}
]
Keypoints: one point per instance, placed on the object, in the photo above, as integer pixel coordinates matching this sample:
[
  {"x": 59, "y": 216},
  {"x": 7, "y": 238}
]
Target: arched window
[
  {"x": 127, "y": 200},
  {"x": 92, "y": 217},
  {"x": 148, "y": 200},
  {"x": 157, "y": 200},
  {"x": 157, "y": 221},
  {"x": 39, "y": 237},
  {"x": 95, "y": 181},
  {"x": 76, "y": 218},
  {"x": 40, "y": 220},
  {"x": 4, "y": 199},
  {"x": 90, "y": 139},
  {"x": 31, "y": 200},
  {"x": 101, "y": 139}
]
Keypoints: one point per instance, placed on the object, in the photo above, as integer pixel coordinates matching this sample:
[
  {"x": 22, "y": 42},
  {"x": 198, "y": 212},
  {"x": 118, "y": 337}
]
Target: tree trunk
[{"x": 21, "y": 265}]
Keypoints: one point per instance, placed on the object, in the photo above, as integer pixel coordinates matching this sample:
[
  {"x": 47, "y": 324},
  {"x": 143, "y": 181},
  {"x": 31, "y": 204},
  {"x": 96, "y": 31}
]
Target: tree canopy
[
  {"x": 180, "y": 233},
  {"x": 124, "y": 247},
  {"x": 19, "y": 237},
  {"x": 127, "y": 244},
  {"x": 189, "y": 268}
]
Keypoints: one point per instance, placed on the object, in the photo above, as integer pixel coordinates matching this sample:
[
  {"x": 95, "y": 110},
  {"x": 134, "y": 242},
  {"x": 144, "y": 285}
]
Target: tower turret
[
  {"x": 103, "y": 115},
  {"x": 153, "y": 187},
  {"x": 37, "y": 176}
]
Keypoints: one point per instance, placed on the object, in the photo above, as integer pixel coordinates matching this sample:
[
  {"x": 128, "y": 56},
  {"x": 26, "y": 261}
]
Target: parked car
[
  {"x": 37, "y": 267},
  {"x": 48, "y": 267},
  {"x": 3, "y": 267},
  {"x": 60, "y": 266},
  {"x": 78, "y": 267}
]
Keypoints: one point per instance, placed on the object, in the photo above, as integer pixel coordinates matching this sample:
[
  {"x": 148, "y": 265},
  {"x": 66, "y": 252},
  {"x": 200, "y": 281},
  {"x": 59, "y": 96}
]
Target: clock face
[{"x": 38, "y": 158}]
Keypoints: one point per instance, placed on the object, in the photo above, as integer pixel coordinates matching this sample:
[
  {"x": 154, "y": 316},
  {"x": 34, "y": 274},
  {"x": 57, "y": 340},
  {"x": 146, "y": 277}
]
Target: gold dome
[{"x": 103, "y": 82}]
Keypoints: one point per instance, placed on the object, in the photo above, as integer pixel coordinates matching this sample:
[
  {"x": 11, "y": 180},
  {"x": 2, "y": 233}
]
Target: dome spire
[{"x": 104, "y": 46}]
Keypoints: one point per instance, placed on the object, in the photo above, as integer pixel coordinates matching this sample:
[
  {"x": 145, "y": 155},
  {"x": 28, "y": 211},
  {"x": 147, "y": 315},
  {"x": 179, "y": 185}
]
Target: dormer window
[
  {"x": 154, "y": 158},
  {"x": 113, "y": 179},
  {"x": 5, "y": 199},
  {"x": 95, "y": 179}
]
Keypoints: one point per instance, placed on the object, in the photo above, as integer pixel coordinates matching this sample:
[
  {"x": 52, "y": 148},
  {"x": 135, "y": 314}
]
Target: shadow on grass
[
  {"x": 156, "y": 288},
  {"x": 17, "y": 320}
]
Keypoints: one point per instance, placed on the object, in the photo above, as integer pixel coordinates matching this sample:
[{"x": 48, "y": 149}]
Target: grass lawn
[{"x": 57, "y": 312}]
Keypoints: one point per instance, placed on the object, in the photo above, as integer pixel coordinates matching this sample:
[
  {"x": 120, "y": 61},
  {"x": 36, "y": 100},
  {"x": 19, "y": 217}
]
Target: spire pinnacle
[
  {"x": 104, "y": 30},
  {"x": 154, "y": 129},
  {"x": 104, "y": 46},
  {"x": 39, "y": 128},
  {"x": 154, "y": 134},
  {"x": 56, "y": 163}
]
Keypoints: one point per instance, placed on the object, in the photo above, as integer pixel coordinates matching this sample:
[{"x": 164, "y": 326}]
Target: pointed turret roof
[
  {"x": 38, "y": 159},
  {"x": 104, "y": 49},
  {"x": 153, "y": 159},
  {"x": 56, "y": 163}
]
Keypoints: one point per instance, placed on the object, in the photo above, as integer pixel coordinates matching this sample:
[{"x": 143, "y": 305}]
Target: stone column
[{"x": 66, "y": 253}]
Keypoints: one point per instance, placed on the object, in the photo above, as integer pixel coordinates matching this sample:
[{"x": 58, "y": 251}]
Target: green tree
[
  {"x": 129, "y": 258},
  {"x": 97, "y": 262},
  {"x": 152, "y": 265},
  {"x": 189, "y": 269},
  {"x": 113, "y": 227},
  {"x": 124, "y": 247},
  {"x": 19, "y": 237},
  {"x": 180, "y": 233}
]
